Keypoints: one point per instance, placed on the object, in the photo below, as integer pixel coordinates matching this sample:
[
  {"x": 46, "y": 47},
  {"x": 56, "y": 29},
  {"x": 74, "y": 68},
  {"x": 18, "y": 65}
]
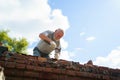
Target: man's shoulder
[{"x": 48, "y": 31}]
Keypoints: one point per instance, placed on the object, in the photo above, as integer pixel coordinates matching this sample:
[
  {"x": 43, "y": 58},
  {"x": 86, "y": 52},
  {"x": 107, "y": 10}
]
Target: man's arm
[
  {"x": 57, "y": 52},
  {"x": 45, "y": 38}
]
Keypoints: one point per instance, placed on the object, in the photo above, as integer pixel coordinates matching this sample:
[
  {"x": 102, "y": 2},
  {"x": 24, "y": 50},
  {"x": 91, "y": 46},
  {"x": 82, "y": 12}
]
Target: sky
[{"x": 92, "y": 27}]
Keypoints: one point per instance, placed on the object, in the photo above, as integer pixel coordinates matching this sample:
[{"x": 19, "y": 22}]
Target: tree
[{"x": 14, "y": 45}]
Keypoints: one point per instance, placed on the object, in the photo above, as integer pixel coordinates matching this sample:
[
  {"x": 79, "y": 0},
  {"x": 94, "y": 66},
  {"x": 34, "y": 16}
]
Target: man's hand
[
  {"x": 57, "y": 55},
  {"x": 53, "y": 44}
]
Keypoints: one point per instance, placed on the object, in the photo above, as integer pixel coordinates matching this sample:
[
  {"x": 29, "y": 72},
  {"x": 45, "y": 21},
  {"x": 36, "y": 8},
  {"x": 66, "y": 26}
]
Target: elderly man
[{"x": 49, "y": 41}]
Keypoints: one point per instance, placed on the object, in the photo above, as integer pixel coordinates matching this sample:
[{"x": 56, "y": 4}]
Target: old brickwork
[{"x": 26, "y": 67}]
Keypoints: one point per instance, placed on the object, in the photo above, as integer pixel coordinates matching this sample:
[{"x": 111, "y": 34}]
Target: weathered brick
[
  {"x": 20, "y": 61},
  {"x": 19, "y": 72},
  {"x": 26, "y": 67},
  {"x": 9, "y": 72},
  {"x": 33, "y": 58},
  {"x": 78, "y": 73},
  {"x": 57, "y": 71},
  {"x": 13, "y": 78},
  {"x": 63, "y": 71},
  {"x": 63, "y": 62},
  {"x": 73, "y": 78},
  {"x": 2, "y": 58},
  {"x": 37, "y": 68},
  {"x": 10, "y": 59},
  {"x": 31, "y": 74},
  {"x": 19, "y": 56},
  {"x": 50, "y": 76},
  {"x": 10, "y": 64},
  {"x": 48, "y": 69},
  {"x": 31, "y": 62},
  {"x": 30, "y": 67},
  {"x": 71, "y": 73},
  {"x": 20, "y": 66},
  {"x": 2, "y": 63},
  {"x": 42, "y": 59},
  {"x": 41, "y": 75},
  {"x": 62, "y": 77}
]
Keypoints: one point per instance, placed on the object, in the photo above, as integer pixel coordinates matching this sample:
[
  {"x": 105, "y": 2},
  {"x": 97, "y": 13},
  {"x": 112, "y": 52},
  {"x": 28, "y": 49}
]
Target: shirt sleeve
[{"x": 46, "y": 33}]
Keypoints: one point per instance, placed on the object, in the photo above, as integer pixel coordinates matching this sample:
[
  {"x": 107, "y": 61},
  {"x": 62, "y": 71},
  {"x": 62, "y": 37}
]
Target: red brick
[
  {"x": 10, "y": 64},
  {"x": 20, "y": 66},
  {"x": 63, "y": 62},
  {"x": 33, "y": 58},
  {"x": 9, "y": 72},
  {"x": 74, "y": 78},
  {"x": 41, "y": 75},
  {"x": 42, "y": 59},
  {"x": 19, "y": 72},
  {"x": 20, "y": 61},
  {"x": 31, "y": 74},
  {"x": 48, "y": 69},
  {"x": 50, "y": 76},
  {"x": 62, "y": 77},
  {"x": 31, "y": 62},
  {"x": 78, "y": 73},
  {"x": 11, "y": 59},
  {"x": 71, "y": 73},
  {"x": 30, "y": 67},
  {"x": 2, "y": 63},
  {"x": 13, "y": 78},
  {"x": 2, "y": 58},
  {"x": 37, "y": 68},
  {"x": 20, "y": 56},
  {"x": 57, "y": 71},
  {"x": 63, "y": 71},
  {"x": 13, "y": 72}
]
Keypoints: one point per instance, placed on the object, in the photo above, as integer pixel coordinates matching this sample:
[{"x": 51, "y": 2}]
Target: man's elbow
[{"x": 41, "y": 36}]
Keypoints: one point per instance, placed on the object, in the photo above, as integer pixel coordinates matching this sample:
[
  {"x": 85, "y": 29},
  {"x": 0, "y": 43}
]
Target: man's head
[{"x": 58, "y": 34}]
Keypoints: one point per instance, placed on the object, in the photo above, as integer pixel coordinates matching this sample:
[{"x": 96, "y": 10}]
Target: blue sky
[
  {"x": 91, "y": 26},
  {"x": 98, "y": 19}
]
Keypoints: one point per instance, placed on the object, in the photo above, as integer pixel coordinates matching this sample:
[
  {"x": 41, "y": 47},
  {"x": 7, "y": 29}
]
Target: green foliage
[{"x": 13, "y": 44}]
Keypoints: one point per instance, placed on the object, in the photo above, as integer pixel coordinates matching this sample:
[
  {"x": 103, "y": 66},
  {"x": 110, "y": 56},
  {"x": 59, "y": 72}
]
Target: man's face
[{"x": 58, "y": 34}]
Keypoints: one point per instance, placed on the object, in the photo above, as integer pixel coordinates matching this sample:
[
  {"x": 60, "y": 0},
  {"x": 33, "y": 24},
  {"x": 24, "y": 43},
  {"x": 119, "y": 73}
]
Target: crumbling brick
[
  {"x": 10, "y": 64},
  {"x": 40, "y": 59},
  {"x": 31, "y": 74},
  {"x": 20, "y": 66},
  {"x": 27, "y": 67}
]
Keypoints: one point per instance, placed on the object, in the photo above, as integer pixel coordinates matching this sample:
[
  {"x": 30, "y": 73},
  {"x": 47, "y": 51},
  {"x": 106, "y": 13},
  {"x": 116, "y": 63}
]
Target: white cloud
[
  {"x": 66, "y": 55},
  {"x": 82, "y": 33},
  {"x": 112, "y": 60},
  {"x": 90, "y": 38},
  {"x": 78, "y": 49},
  {"x": 64, "y": 44},
  {"x": 30, "y": 51},
  {"x": 27, "y": 18}
]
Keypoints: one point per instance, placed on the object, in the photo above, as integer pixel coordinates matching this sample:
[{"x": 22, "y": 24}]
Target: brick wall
[{"x": 26, "y": 67}]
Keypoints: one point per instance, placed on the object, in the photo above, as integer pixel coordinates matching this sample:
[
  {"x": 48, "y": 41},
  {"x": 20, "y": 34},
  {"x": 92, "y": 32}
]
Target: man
[{"x": 49, "y": 41}]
